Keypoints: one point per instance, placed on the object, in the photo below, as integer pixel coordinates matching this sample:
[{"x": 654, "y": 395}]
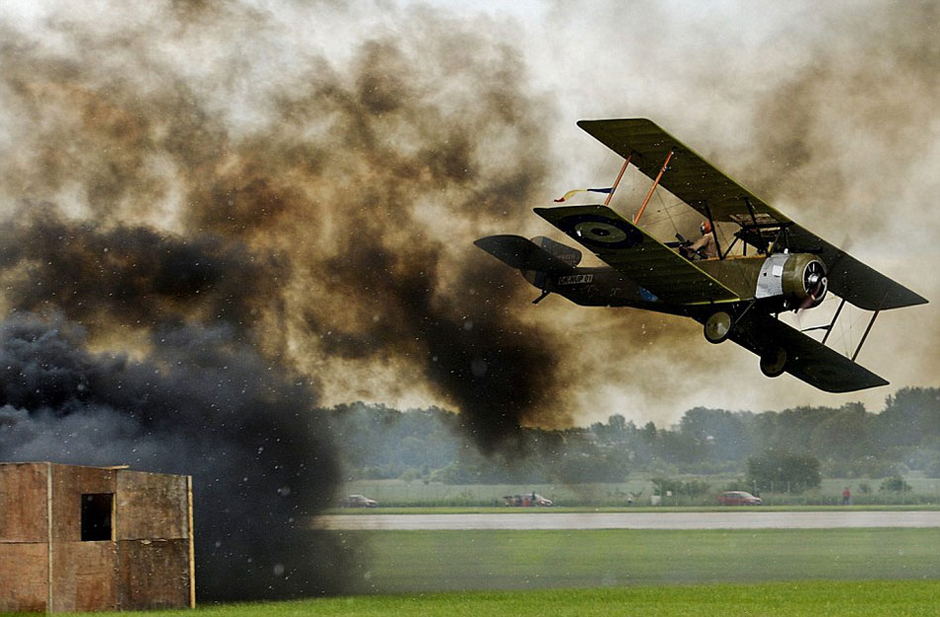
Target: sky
[{"x": 344, "y": 155}]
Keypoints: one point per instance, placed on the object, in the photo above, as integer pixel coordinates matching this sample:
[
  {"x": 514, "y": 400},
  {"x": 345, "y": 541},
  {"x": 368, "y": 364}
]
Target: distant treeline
[{"x": 848, "y": 442}]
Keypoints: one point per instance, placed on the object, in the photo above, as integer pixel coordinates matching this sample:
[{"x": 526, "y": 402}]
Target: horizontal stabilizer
[
  {"x": 521, "y": 253},
  {"x": 806, "y": 358}
]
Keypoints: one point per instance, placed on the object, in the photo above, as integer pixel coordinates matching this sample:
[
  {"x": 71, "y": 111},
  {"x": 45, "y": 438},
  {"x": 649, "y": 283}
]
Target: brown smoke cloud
[
  {"x": 341, "y": 197},
  {"x": 212, "y": 230}
]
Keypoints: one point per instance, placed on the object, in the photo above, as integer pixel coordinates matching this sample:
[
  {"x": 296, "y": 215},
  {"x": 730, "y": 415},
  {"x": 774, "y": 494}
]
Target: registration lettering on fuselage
[{"x": 575, "y": 279}]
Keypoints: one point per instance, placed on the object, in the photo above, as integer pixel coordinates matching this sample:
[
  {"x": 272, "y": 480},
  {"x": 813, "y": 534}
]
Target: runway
[{"x": 733, "y": 519}]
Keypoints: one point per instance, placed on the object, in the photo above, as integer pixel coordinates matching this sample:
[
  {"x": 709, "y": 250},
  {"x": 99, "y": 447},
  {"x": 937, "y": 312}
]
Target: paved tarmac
[{"x": 732, "y": 519}]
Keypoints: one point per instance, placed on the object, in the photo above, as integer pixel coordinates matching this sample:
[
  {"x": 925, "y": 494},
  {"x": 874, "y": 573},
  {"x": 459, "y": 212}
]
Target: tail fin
[{"x": 539, "y": 254}]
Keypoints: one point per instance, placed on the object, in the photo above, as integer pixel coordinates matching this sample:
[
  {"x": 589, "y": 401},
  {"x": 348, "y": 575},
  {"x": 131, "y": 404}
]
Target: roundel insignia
[
  {"x": 603, "y": 232},
  {"x": 600, "y": 232}
]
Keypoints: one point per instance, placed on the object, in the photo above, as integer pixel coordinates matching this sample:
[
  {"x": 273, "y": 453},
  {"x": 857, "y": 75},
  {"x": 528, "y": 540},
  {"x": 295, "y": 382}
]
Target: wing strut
[
  {"x": 636, "y": 219},
  {"x": 865, "y": 336},
  {"x": 711, "y": 221},
  {"x": 610, "y": 195},
  {"x": 833, "y": 322}
]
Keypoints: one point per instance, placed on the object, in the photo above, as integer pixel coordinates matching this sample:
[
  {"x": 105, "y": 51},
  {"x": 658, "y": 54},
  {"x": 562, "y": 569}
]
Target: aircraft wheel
[
  {"x": 773, "y": 364},
  {"x": 718, "y": 327}
]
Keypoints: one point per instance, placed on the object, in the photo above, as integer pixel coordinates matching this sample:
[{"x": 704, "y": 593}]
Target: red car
[{"x": 738, "y": 498}]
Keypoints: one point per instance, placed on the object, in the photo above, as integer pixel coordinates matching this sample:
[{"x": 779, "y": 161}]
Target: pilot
[{"x": 705, "y": 247}]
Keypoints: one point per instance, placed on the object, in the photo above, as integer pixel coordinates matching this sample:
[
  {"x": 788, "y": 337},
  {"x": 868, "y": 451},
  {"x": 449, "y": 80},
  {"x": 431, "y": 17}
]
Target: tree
[
  {"x": 909, "y": 416},
  {"x": 895, "y": 484},
  {"x": 779, "y": 469},
  {"x": 722, "y": 433},
  {"x": 845, "y": 434}
]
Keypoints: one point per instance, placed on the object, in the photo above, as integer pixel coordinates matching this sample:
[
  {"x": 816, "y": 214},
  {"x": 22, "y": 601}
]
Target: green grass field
[
  {"x": 426, "y": 561},
  {"x": 630, "y": 572},
  {"x": 816, "y": 599}
]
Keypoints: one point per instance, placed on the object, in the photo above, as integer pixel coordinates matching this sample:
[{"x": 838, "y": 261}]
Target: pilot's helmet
[{"x": 706, "y": 227}]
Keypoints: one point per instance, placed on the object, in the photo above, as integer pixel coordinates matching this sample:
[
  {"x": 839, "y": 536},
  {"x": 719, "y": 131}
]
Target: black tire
[
  {"x": 774, "y": 363},
  {"x": 718, "y": 327}
]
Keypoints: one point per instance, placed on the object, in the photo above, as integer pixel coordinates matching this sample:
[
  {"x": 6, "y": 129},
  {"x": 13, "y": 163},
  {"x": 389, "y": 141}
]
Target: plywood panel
[
  {"x": 150, "y": 569},
  {"x": 151, "y": 506},
  {"x": 24, "y": 577},
  {"x": 154, "y": 574},
  {"x": 84, "y": 576},
  {"x": 68, "y": 485},
  {"x": 23, "y": 512}
]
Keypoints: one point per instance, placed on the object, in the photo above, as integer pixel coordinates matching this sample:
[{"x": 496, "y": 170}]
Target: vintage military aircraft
[{"x": 736, "y": 296}]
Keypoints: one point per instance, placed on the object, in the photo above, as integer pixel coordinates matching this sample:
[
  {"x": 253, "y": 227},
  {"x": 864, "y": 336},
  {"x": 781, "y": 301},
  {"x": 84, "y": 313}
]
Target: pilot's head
[{"x": 705, "y": 227}]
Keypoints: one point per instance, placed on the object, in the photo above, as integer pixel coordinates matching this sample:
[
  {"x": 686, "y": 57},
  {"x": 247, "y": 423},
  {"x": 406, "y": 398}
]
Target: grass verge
[
  {"x": 628, "y": 572},
  {"x": 430, "y": 561},
  {"x": 812, "y": 598}
]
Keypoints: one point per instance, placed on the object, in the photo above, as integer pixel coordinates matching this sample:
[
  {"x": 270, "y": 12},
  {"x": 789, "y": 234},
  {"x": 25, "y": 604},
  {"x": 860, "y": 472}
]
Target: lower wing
[{"x": 803, "y": 357}]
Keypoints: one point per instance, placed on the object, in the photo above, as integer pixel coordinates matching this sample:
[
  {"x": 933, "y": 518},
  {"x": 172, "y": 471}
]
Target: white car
[{"x": 359, "y": 501}]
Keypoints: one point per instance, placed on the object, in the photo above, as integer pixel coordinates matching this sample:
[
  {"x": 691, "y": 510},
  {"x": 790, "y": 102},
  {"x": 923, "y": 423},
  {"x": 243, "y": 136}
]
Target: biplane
[{"x": 769, "y": 265}]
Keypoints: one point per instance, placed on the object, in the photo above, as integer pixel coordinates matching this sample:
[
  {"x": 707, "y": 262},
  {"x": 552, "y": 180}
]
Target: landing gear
[
  {"x": 718, "y": 327},
  {"x": 773, "y": 363}
]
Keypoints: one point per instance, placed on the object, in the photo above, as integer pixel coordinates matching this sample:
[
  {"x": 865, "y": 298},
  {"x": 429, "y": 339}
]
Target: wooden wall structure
[{"x": 137, "y": 551}]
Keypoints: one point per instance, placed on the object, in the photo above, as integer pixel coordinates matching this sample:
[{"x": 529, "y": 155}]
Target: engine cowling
[{"x": 800, "y": 278}]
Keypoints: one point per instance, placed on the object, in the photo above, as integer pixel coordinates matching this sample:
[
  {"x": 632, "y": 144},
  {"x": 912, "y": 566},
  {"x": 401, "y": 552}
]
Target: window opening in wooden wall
[{"x": 96, "y": 516}]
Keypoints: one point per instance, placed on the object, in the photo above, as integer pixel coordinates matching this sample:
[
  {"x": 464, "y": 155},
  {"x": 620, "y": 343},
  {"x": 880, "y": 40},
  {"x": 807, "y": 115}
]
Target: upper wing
[
  {"x": 705, "y": 188},
  {"x": 637, "y": 254},
  {"x": 849, "y": 278},
  {"x": 690, "y": 177},
  {"x": 807, "y": 359}
]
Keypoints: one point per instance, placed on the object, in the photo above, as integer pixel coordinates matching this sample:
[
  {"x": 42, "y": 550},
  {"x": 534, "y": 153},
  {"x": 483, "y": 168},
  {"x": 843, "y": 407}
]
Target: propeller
[
  {"x": 815, "y": 283},
  {"x": 815, "y": 278}
]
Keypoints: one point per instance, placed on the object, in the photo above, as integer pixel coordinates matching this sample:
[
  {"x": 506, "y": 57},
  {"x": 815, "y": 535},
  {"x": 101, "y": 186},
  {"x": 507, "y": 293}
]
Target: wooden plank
[
  {"x": 84, "y": 576},
  {"x": 23, "y": 516},
  {"x": 24, "y": 582},
  {"x": 50, "y": 556},
  {"x": 69, "y": 483},
  {"x": 151, "y": 506},
  {"x": 192, "y": 545},
  {"x": 42, "y": 501},
  {"x": 154, "y": 574}
]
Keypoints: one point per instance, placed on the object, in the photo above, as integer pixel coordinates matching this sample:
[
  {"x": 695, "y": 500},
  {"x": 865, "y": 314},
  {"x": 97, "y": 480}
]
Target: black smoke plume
[
  {"x": 199, "y": 250},
  {"x": 362, "y": 185},
  {"x": 199, "y": 403}
]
